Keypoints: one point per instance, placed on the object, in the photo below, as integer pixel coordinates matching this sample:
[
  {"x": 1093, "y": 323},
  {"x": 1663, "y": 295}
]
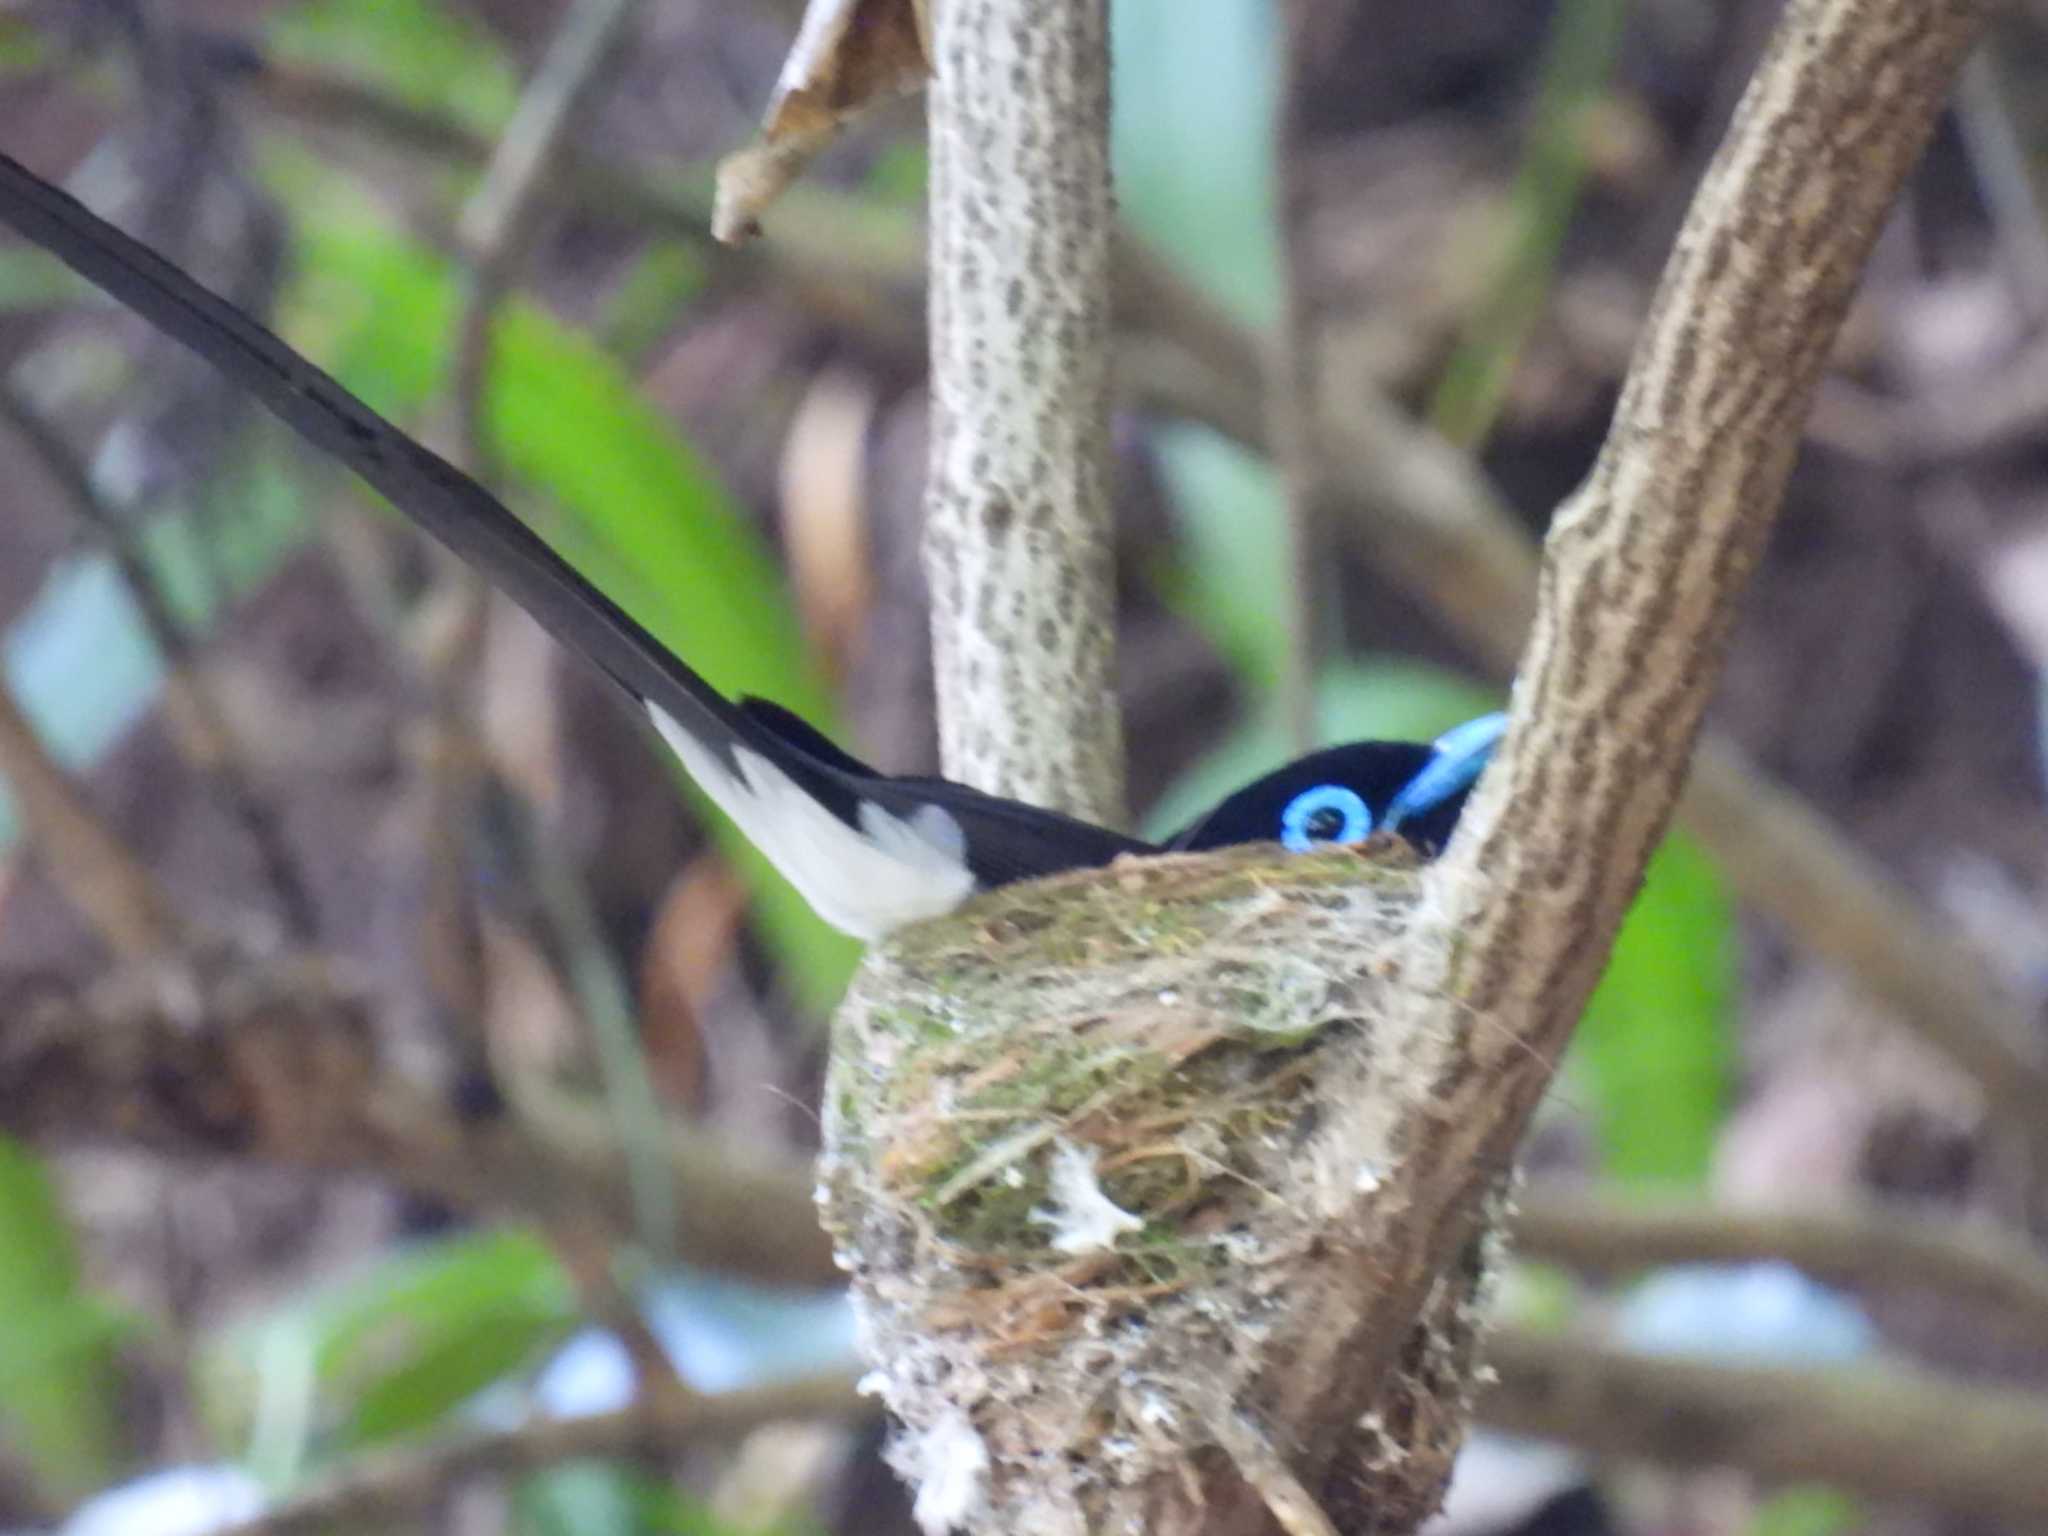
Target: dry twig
[{"x": 91, "y": 865}]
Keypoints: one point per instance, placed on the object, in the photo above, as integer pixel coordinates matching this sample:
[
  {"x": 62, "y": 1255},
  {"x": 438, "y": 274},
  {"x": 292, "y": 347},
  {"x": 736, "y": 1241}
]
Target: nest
[{"x": 1080, "y": 1162}]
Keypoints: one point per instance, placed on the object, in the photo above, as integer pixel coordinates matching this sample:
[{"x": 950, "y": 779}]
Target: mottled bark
[
  {"x": 1017, "y": 531},
  {"x": 1299, "y": 1082}
]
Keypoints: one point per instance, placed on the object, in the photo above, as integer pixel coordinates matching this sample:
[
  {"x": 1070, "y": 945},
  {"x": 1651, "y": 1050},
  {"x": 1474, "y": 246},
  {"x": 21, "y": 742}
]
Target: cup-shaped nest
[{"x": 1098, "y": 1150}]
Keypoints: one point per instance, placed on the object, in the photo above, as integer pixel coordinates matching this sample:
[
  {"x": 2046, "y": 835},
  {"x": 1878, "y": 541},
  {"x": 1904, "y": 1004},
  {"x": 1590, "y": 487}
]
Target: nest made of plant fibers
[{"x": 1161, "y": 1029}]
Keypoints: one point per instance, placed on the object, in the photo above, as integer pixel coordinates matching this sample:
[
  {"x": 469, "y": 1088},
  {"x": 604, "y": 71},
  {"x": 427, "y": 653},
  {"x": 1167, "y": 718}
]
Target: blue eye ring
[{"x": 1329, "y": 813}]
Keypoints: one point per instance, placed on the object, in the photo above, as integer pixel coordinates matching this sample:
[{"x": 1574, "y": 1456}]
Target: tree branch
[
  {"x": 1643, "y": 565},
  {"x": 1884, "y": 1431},
  {"x": 1970, "y": 1264},
  {"x": 1017, "y": 514},
  {"x": 388, "y": 1486},
  {"x": 281, "y": 1063},
  {"x": 1090, "y": 1044}
]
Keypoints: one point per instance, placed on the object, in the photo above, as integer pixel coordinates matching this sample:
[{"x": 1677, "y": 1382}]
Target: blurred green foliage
[
  {"x": 1654, "y": 1057},
  {"x": 607, "y": 1499},
  {"x": 1193, "y": 98},
  {"x": 428, "y": 55},
  {"x": 386, "y": 1352},
  {"x": 59, "y": 1377},
  {"x": 1585, "y": 37},
  {"x": 1808, "y": 1511}
]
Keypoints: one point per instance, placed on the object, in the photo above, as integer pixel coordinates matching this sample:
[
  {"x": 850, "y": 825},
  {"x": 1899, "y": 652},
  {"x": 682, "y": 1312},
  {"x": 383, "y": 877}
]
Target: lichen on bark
[{"x": 1017, "y": 516}]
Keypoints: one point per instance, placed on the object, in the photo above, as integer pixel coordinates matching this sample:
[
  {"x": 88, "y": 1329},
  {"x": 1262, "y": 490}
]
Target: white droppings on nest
[
  {"x": 1369, "y": 1179},
  {"x": 1241, "y": 1246},
  {"x": 1083, "y": 1218},
  {"x": 1156, "y": 1412},
  {"x": 951, "y": 1461},
  {"x": 993, "y": 1027}
]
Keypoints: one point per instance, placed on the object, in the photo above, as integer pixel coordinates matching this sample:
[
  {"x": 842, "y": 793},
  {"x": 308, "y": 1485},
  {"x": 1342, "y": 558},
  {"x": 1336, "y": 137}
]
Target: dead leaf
[
  {"x": 530, "y": 1020},
  {"x": 693, "y": 934},
  {"x": 848, "y": 55},
  {"x": 823, "y": 476}
]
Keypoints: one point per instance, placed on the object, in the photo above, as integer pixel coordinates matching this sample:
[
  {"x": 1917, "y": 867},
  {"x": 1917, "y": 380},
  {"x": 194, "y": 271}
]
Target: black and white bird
[{"x": 870, "y": 851}]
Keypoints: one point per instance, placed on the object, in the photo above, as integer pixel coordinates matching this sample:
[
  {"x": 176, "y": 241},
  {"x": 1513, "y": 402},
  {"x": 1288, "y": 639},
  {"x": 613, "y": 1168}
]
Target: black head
[
  {"x": 1345, "y": 794},
  {"x": 1339, "y": 795}
]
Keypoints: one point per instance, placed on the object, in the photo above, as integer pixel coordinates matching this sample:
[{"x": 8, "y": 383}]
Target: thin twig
[
  {"x": 90, "y": 864},
  {"x": 199, "y": 725},
  {"x": 1964, "y": 1263},
  {"x": 1887, "y": 1432},
  {"x": 1263, "y": 1468}
]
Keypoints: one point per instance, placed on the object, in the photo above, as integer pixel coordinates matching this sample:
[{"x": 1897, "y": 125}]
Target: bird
[
  {"x": 871, "y": 852},
  {"x": 1346, "y": 794}
]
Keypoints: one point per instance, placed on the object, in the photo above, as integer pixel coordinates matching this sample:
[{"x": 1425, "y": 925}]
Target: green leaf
[
  {"x": 447, "y": 1366},
  {"x": 1193, "y": 99},
  {"x": 1808, "y": 1511},
  {"x": 1230, "y": 578},
  {"x": 31, "y": 278},
  {"x": 393, "y": 1349},
  {"x": 651, "y": 297},
  {"x": 1578, "y": 58},
  {"x": 622, "y": 496},
  {"x": 423, "y": 54},
  {"x": 594, "y": 1498},
  {"x": 1654, "y": 1050},
  {"x": 58, "y": 1375}
]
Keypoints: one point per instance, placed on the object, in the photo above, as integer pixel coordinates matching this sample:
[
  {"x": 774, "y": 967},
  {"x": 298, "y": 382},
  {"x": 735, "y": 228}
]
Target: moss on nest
[
  {"x": 1139, "y": 1014},
  {"x": 1101, "y": 1152}
]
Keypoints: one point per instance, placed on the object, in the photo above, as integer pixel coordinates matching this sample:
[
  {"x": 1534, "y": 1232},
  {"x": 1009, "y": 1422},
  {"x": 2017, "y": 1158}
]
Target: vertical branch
[
  {"x": 1643, "y": 564},
  {"x": 1017, "y": 531}
]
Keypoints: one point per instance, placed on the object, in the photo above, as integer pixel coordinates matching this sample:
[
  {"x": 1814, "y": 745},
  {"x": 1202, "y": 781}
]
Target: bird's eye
[{"x": 1329, "y": 813}]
